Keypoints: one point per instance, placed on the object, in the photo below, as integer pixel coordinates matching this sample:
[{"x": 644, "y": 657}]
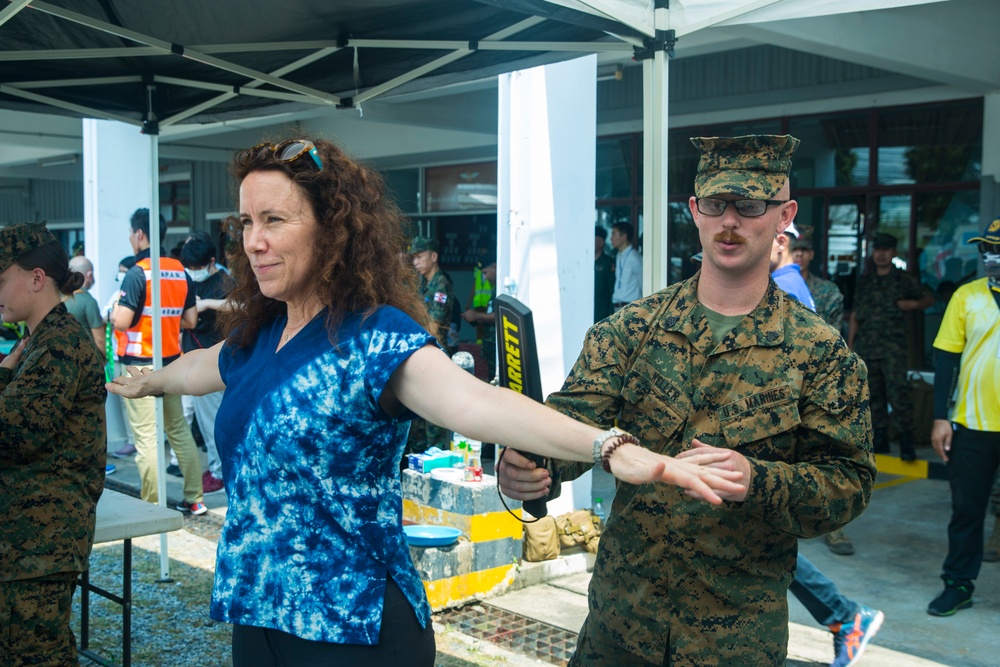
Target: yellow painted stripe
[
  {"x": 895, "y": 482},
  {"x": 444, "y": 592},
  {"x": 477, "y": 527},
  {"x": 891, "y": 465}
]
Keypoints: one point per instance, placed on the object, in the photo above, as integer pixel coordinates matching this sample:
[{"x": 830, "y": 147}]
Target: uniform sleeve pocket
[{"x": 764, "y": 416}]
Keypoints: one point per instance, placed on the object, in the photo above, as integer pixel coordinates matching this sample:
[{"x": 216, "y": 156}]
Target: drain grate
[{"x": 513, "y": 632}]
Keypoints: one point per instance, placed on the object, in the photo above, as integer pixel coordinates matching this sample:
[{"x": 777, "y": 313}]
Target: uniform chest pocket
[
  {"x": 652, "y": 402},
  {"x": 758, "y": 422}
]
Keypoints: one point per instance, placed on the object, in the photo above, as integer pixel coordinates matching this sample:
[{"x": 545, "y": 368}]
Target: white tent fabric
[
  {"x": 654, "y": 18},
  {"x": 687, "y": 16}
]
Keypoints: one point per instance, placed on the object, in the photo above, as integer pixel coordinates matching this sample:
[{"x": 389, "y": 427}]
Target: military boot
[
  {"x": 991, "y": 552},
  {"x": 906, "y": 450},
  {"x": 880, "y": 441}
]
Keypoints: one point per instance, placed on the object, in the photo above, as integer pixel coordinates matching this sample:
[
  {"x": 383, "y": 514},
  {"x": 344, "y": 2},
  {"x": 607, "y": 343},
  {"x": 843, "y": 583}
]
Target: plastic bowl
[
  {"x": 431, "y": 536},
  {"x": 448, "y": 474}
]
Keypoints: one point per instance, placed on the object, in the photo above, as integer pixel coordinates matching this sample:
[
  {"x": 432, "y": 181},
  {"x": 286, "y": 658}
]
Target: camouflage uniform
[
  {"x": 679, "y": 581},
  {"x": 829, "y": 300},
  {"x": 52, "y": 456},
  {"x": 881, "y": 341},
  {"x": 439, "y": 297}
]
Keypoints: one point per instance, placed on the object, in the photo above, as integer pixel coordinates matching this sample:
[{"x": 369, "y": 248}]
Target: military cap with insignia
[
  {"x": 421, "y": 244},
  {"x": 754, "y": 166},
  {"x": 17, "y": 240}
]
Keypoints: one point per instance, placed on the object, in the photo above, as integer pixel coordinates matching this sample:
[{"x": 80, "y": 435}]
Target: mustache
[{"x": 729, "y": 237}]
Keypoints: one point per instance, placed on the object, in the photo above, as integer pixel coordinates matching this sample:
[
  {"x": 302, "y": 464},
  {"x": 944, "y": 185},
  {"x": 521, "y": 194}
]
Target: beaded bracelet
[{"x": 622, "y": 439}]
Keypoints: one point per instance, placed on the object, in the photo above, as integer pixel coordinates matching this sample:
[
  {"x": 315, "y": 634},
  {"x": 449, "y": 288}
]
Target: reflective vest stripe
[{"x": 166, "y": 312}]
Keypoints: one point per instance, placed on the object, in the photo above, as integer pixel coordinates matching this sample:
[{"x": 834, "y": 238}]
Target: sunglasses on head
[{"x": 288, "y": 151}]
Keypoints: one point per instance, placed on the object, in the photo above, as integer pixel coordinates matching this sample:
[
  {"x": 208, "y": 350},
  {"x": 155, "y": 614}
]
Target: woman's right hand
[{"x": 134, "y": 385}]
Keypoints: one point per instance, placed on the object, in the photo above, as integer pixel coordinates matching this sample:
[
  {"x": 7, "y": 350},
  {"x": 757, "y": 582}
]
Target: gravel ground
[{"x": 170, "y": 623}]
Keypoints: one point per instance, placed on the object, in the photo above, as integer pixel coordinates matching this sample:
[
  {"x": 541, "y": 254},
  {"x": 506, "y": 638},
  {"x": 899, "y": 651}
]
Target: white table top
[{"x": 122, "y": 517}]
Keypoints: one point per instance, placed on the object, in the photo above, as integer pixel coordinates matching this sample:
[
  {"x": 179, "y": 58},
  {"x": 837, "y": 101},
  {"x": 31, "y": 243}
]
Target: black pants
[
  {"x": 401, "y": 643},
  {"x": 972, "y": 467}
]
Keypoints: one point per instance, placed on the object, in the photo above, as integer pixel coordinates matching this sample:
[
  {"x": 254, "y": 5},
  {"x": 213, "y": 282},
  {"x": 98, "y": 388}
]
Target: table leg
[
  {"x": 127, "y": 607},
  {"x": 125, "y": 601},
  {"x": 85, "y": 610}
]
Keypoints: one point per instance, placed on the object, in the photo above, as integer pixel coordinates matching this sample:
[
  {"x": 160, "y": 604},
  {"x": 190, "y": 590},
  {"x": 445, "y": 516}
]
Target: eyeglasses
[
  {"x": 748, "y": 208},
  {"x": 289, "y": 151}
]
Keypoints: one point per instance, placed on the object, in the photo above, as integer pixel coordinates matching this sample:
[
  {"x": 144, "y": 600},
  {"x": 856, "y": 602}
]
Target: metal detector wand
[{"x": 517, "y": 362}]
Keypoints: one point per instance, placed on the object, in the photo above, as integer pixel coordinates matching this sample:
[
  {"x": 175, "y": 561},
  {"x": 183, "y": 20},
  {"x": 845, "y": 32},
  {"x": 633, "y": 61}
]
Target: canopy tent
[
  {"x": 156, "y": 65},
  {"x": 167, "y": 64}
]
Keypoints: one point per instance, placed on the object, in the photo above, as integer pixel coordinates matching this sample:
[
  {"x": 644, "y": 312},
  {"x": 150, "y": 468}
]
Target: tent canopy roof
[{"x": 210, "y": 61}]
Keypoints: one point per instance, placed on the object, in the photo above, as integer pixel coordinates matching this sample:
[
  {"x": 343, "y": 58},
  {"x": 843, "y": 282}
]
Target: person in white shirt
[{"x": 628, "y": 267}]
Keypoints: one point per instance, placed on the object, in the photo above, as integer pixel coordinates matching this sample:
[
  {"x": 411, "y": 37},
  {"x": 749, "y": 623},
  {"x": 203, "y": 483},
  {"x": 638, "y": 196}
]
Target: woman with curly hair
[{"x": 326, "y": 359}]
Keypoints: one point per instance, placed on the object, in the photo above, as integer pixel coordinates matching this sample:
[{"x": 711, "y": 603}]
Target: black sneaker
[
  {"x": 956, "y": 595},
  {"x": 174, "y": 470}
]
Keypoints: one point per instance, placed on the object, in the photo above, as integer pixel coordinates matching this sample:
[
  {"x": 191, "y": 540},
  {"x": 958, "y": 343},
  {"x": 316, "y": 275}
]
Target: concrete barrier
[{"x": 484, "y": 561}]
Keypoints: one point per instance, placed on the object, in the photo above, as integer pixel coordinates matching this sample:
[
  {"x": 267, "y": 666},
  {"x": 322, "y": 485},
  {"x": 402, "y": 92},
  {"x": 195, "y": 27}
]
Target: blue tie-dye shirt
[{"x": 311, "y": 467}]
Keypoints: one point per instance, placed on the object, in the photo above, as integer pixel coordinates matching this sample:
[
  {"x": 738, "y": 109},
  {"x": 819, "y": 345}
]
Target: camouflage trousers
[
  {"x": 887, "y": 383},
  {"x": 595, "y": 649},
  {"x": 34, "y": 622}
]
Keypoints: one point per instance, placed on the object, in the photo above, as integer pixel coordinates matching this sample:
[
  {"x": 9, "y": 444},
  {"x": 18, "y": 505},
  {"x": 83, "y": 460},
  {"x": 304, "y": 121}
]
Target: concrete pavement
[{"x": 900, "y": 542}]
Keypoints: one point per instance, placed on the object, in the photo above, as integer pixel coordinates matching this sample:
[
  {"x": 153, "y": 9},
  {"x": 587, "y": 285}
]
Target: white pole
[{"x": 154, "y": 285}]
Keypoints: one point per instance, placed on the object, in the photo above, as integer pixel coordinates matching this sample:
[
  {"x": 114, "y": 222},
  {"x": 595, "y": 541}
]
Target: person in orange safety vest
[{"x": 132, "y": 318}]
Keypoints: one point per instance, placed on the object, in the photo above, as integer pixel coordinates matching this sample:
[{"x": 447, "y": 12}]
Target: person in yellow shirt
[{"x": 968, "y": 439}]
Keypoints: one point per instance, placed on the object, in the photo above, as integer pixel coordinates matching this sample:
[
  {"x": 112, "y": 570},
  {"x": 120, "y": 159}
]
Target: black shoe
[
  {"x": 956, "y": 595},
  {"x": 880, "y": 441},
  {"x": 906, "y": 451},
  {"x": 174, "y": 470}
]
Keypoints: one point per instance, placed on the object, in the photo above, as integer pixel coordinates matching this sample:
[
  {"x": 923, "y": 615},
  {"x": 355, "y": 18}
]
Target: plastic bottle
[
  {"x": 599, "y": 509},
  {"x": 474, "y": 465},
  {"x": 460, "y": 445}
]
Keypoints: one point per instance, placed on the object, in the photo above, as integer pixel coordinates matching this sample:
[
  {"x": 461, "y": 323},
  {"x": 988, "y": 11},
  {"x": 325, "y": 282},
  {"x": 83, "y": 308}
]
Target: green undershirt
[{"x": 719, "y": 324}]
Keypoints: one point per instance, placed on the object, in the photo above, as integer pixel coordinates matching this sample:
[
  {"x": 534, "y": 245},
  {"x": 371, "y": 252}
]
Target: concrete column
[
  {"x": 990, "y": 193},
  {"x": 545, "y": 210},
  {"x": 116, "y": 181}
]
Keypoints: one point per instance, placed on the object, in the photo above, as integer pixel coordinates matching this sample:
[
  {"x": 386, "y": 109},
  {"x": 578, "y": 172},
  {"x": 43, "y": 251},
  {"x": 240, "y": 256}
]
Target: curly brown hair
[{"x": 360, "y": 252}]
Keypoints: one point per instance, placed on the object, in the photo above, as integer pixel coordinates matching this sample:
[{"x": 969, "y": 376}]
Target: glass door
[{"x": 844, "y": 247}]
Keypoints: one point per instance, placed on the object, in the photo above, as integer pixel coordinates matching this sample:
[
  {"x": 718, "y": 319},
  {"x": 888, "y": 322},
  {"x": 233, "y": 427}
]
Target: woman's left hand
[
  {"x": 637, "y": 465},
  {"x": 10, "y": 361}
]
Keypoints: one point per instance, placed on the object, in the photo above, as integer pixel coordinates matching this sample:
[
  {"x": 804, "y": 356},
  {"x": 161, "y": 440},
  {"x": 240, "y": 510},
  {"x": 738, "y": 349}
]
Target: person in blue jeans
[{"x": 853, "y": 624}]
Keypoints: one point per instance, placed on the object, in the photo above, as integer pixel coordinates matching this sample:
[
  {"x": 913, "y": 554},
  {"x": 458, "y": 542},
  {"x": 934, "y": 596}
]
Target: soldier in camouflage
[
  {"x": 52, "y": 450},
  {"x": 877, "y": 332},
  {"x": 728, "y": 369},
  {"x": 439, "y": 297},
  {"x": 828, "y": 297},
  {"x": 435, "y": 287}
]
